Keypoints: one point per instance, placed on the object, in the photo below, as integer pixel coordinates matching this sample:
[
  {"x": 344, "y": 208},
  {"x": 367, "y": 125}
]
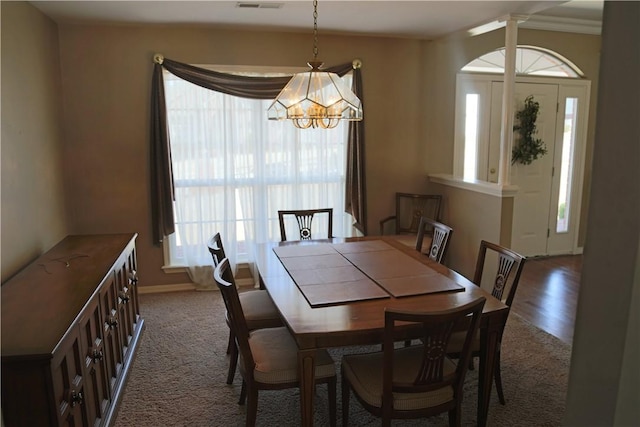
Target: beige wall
[
  {"x": 32, "y": 209},
  {"x": 106, "y": 78},
  {"x": 409, "y": 90}
]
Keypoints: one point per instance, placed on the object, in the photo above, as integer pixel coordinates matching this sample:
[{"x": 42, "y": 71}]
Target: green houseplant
[{"x": 527, "y": 147}]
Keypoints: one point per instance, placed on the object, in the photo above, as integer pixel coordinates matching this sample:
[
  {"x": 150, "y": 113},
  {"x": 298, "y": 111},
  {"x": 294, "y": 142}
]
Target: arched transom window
[{"x": 533, "y": 61}]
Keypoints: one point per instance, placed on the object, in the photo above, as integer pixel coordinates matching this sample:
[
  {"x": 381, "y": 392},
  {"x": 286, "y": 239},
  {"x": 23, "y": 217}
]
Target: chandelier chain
[
  {"x": 315, "y": 29},
  {"x": 316, "y": 98}
]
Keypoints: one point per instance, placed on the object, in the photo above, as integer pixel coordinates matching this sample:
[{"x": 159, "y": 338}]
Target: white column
[{"x": 506, "y": 133}]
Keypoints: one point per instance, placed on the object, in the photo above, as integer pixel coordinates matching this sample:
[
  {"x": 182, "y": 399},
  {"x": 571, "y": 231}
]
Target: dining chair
[
  {"x": 269, "y": 357},
  {"x": 304, "y": 219},
  {"x": 503, "y": 276},
  {"x": 409, "y": 209},
  {"x": 259, "y": 310},
  {"x": 418, "y": 381},
  {"x": 440, "y": 235}
]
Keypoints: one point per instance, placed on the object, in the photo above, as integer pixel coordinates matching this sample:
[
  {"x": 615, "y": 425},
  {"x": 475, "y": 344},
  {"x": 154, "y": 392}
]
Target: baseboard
[
  {"x": 578, "y": 251},
  {"x": 166, "y": 288},
  {"x": 246, "y": 282}
]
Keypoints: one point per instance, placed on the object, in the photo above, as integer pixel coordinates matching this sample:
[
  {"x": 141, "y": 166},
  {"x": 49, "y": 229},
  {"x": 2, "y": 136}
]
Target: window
[
  {"x": 233, "y": 169},
  {"x": 532, "y": 61},
  {"x": 567, "y": 161},
  {"x": 471, "y": 136}
]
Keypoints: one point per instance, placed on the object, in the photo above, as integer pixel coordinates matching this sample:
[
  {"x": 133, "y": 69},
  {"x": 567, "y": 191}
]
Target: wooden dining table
[{"x": 333, "y": 293}]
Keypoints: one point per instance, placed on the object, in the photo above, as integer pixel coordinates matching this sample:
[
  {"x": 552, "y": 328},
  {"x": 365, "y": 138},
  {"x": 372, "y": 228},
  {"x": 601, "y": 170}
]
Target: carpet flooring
[{"x": 178, "y": 375}]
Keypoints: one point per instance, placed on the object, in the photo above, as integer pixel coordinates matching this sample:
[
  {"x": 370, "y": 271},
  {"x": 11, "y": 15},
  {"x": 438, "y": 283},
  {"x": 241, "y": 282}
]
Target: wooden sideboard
[{"x": 70, "y": 326}]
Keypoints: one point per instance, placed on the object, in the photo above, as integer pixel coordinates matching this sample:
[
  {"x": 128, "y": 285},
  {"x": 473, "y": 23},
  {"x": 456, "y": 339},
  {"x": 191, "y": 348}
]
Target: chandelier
[{"x": 316, "y": 98}]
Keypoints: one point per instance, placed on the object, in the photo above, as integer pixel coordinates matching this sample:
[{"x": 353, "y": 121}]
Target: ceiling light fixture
[{"x": 316, "y": 98}]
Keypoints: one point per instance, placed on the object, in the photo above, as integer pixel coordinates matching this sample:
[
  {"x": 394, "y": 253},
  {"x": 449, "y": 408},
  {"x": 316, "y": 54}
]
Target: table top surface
[
  {"x": 339, "y": 273},
  {"x": 348, "y": 320}
]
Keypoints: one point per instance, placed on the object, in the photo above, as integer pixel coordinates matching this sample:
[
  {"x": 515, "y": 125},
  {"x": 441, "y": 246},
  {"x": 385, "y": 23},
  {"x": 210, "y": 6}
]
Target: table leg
[
  {"x": 306, "y": 368},
  {"x": 489, "y": 342}
]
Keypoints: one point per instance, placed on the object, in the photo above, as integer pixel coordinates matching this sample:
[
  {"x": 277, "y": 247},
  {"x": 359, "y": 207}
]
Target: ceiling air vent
[{"x": 252, "y": 5}]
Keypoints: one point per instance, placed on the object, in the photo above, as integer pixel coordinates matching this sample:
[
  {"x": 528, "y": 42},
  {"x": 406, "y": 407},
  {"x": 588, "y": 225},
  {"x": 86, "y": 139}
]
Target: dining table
[{"x": 333, "y": 293}]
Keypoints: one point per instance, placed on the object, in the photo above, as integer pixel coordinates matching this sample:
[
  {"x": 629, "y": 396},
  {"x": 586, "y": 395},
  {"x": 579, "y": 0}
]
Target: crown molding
[{"x": 567, "y": 25}]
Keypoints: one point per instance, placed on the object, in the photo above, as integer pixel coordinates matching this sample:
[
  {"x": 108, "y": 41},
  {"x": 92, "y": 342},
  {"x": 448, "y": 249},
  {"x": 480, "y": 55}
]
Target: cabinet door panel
[
  {"x": 124, "y": 306},
  {"x": 68, "y": 384},
  {"x": 98, "y": 393},
  {"x": 132, "y": 275},
  {"x": 111, "y": 331}
]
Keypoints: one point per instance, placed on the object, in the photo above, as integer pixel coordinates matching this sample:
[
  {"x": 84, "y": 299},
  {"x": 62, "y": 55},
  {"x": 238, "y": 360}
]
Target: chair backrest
[
  {"x": 411, "y": 207},
  {"x": 507, "y": 273},
  {"x": 223, "y": 276},
  {"x": 436, "y": 328},
  {"x": 216, "y": 249},
  {"x": 440, "y": 235},
  {"x": 304, "y": 219}
]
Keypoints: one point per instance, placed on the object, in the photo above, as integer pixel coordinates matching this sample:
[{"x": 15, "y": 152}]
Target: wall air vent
[{"x": 256, "y": 5}]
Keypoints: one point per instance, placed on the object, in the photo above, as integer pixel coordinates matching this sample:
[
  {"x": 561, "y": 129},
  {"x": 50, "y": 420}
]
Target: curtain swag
[{"x": 162, "y": 190}]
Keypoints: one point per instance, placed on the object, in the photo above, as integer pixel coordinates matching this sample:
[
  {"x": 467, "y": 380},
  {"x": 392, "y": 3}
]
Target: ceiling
[{"x": 413, "y": 19}]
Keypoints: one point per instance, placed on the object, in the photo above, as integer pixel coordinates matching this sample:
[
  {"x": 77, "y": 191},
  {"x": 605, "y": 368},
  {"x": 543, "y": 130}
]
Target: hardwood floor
[{"x": 547, "y": 295}]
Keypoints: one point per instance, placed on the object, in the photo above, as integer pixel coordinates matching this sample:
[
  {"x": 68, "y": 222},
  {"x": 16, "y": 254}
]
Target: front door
[{"x": 532, "y": 204}]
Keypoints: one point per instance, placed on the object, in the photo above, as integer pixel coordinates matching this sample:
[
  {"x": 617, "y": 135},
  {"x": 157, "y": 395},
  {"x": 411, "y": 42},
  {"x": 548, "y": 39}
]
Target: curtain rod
[{"x": 158, "y": 58}]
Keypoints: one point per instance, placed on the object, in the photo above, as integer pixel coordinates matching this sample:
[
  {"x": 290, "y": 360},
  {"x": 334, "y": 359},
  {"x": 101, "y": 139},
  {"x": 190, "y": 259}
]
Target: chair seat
[
  {"x": 364, "y": 372},
  {"x": 406, "y": 239},
  {"x": 457, "y": 341},
  {"x": 275, "y": 354},
  {"x": 259, "y": 310}
]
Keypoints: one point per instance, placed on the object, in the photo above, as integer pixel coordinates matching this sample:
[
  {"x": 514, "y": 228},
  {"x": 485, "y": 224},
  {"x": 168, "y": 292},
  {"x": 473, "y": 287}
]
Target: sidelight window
[{"x": 568, "y": 144}]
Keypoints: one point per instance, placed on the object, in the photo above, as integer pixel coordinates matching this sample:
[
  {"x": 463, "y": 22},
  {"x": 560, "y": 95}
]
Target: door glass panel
[
  {"x": 568, "y": 143},
  {"x": 471, "y": 136}
]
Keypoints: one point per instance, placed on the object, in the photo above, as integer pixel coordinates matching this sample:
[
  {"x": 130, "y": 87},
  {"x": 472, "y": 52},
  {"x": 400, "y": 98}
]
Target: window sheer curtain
[{"x": 223, "y": 182}]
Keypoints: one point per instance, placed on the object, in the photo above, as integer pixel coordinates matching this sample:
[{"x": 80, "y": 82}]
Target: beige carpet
[{"x": 178, "y": 376}]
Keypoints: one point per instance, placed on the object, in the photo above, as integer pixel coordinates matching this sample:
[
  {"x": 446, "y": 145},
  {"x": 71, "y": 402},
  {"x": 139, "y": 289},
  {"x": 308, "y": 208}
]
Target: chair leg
[
  {"x": 252, "y": 407},
  {"x": 454, "y": 417},
  {"x": 331, "y": 388},
  {"x": 233, "y": 363},
  {"x": 243, "y": 393},
  {"x": 232, "y": 341},
  {"x": 498, "y": 378},
  {"x": 345, "y": 401}
]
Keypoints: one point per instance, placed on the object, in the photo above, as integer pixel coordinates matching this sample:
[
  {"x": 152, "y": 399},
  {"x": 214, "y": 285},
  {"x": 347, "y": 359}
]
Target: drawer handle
[
  {"x": 124, "y": 296},
  {"x": 112, "y": 322},
  {"x": 133, "y": 277},
  {"x": 76, "y": 398},
  {"x": 97, "y": 355}
]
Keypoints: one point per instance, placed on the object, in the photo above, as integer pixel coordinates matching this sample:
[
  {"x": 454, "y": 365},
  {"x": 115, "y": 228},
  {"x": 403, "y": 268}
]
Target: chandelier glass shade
[{"x": 316, "y": 98}]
